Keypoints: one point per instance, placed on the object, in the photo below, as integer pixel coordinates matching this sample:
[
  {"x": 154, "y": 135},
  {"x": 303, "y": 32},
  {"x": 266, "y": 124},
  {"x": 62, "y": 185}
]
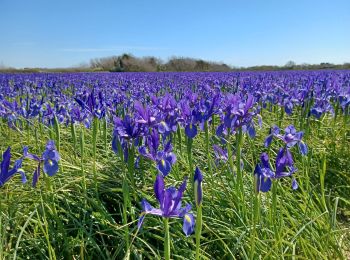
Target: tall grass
[{"x": 86, "y": 210}]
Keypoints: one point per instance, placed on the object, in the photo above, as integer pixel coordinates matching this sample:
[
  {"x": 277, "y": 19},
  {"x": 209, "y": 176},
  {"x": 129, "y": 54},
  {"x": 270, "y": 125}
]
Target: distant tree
[
  {"x": 180, "y": 64},
  {"x": 326, "y": 65},
  {"x": 126, "y": 56},
  {"x": 290, "y": 64},
  {"x": 346, "y": 65},
  {"x": 118, "y": 65},
  {"x": 214, "y": 66},
  {"x": 202, "y": 65},
  {"x": 128, "y": 62}
]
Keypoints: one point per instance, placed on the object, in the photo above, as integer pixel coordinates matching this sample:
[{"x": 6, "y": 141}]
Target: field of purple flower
[{"x": 244, "y": 165}]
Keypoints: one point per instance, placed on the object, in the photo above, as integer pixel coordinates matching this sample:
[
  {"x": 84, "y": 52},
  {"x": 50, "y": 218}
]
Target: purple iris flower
[
  {"x": 119, "y": 143},
  {"x": 198, "y": 192},
  {"x": 220, "y": 154},
  {"x": 263, "y": 174},
  {"x": 8, "y": 110},
  {"x": 168, "y": 113},
  {"x": 291, "y": 137},
  {"x": 317, "y": 112},
  {"x": 127, "y": 128},
  {"x": 238, "y": 113},
  {"x": 191, "y": 130},
  {"x": 76, "y": 115},
  {"x": 90, "y": 104},
  {"x": 144, "y": 115},
  {"x": 164, "y": 158},
  {"x": 284, "y": 168},
  {"x": 205, "y": 108},
  {"x": 48, "y": 115},
  {"x": 165, "y": 162},
  {"x": 163, "y": 127},
  {"x": 167, "y": 104},
  {"x": 321, "y": 106},
  {"x": 284, "y": 159},
  {"x": 30, "y": 108},
  {"x": 127, "y": 133},
  {"x": 274, "y": 131},
  {"x": 50, "y": 158},
  {"x": 5, "y": 172},
  {"x": 189, "y": 119},
  {"x": 288, "y": 106},
  {"x": 170, "y": 205},
  {"x": 344, "y": 100}
]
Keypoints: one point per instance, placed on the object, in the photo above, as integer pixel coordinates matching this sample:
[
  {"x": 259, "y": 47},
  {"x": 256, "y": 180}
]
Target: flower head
[
  {"x": 50, "y": 157},
  {"x": 164, "y": 158},
  {"x": 291, "y": 137},
  {"x": 5, "y": 172},
  {"x": 198, "y": 193},
  {"x": 220, "y": 153},
  {"x": 284, "y": 168},
  {"x": 238, "y": 113},
  {"x": 170, "y": 205}
]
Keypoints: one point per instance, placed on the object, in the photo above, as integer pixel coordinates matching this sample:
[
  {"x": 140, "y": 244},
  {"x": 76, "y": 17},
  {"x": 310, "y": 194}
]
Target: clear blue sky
[{"x": 38, "y": 33}]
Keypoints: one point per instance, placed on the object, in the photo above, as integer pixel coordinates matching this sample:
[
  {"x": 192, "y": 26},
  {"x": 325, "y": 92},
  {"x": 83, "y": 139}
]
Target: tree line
[
  {"x": 128, "y": 63},
  {"x": 131, "y": 63}
]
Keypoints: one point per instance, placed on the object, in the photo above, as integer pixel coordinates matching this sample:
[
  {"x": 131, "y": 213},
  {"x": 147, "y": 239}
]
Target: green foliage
[{"x": 67, "y": 220}]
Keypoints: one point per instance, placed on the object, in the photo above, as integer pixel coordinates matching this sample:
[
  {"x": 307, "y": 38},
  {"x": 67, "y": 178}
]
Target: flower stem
[
  {"x": 179, "y": 138},
  {"x": 166, "y": 239},
  {"x": 105, "y": 133},
  {"x": 58, "y": 135},
  {"x": 229, "y": 153},
  {"x": 255, "y": 218},
  {"x": 198, "y": 230},
  {"x": 281, "y": 117},
  {"x": 74, "y": 137},
  {"x": 206, "y": 129},
  {"x": 273, "y": 212},
  {"x": 131, "y": 165},
  {"x": 131, "y": 172},
  {"x": 94, "y": 144},
  {"x": 126, "y": 201},
  {"x": 189, "y": 155},
  {"x": 126, "y": 198},
  {"x": 58, "y": 140},
  {"x": 322, "y": 177},
  {"x": 240, "y": 187},
  {"x": 82, "y": 144}
]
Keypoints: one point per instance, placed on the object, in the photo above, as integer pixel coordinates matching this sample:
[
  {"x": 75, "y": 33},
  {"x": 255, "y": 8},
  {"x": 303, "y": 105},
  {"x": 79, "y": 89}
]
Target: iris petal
[
  {"x": 191, "y": 130},
  {"x": 303, "y": 148},
  {"x": 164, "y": 167},
  {"x": 140, "y": 221},
  {"x": 36, "y": 176},
  {"x": 188, "y": 224},
  {"x": 198, "y": 193},
  {"x": 159, "y": 188},
  {"x": 5, "y": 164},
  {"x": 268, "y": 140},
  {"x": 263, "y": 184},
  {"x": 178, "y": 198},
  {"x": 294, "y": 184},
  {"x": 50, "y": 167}
]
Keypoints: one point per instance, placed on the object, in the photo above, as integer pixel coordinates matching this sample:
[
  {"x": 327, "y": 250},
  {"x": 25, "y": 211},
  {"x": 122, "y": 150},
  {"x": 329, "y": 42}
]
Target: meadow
[{"x": 231, "y": 165}]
